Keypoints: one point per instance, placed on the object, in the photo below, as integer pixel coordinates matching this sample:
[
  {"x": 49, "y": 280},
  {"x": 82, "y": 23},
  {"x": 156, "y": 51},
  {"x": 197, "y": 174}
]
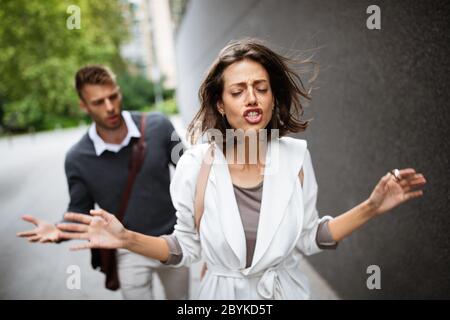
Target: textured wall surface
[{"x": 381, "y": 101}]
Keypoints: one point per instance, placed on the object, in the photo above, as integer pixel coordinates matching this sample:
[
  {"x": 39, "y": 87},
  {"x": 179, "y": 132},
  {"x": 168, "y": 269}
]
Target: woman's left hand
[
  {"x": 389, "y": 192},
  {"x": 102, "y": 229}
]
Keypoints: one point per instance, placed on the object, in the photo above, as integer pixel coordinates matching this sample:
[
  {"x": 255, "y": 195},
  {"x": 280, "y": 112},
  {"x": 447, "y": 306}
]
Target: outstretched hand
[
  {"x": 389, "y": 193},
  {"x": 44, "y": 232},
  {"x": 101, "y": 229}
]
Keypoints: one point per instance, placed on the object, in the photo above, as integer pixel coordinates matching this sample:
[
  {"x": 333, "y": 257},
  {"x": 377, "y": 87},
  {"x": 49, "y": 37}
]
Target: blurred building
[{"x": 151, "y": 47}]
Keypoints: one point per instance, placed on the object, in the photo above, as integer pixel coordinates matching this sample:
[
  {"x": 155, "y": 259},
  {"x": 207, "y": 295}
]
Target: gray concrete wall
[{"x": 382, "y": 102}]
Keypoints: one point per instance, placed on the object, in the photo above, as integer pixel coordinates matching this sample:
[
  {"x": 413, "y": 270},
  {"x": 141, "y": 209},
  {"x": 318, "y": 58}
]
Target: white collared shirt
[{"x": 100, "y": 145}]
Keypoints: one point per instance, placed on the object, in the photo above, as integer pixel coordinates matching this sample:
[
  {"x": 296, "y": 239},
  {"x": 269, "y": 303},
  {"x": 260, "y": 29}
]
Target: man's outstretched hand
[{"x": 44, "y": 232}]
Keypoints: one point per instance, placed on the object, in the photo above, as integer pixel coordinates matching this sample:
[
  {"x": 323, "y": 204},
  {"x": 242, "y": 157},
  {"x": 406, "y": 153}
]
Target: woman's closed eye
[{"x": 238, "y": 93}]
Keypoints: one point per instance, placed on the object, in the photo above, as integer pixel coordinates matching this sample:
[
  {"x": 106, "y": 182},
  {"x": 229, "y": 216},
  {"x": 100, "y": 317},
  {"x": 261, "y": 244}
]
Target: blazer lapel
[
  {"x": 230, "y": 219},
  {"x": 279, "y": 182},
  {"x": 283, "y": 163}
]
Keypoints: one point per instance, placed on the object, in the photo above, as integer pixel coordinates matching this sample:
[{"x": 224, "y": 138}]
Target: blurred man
[{"x": 97, "y": 168}]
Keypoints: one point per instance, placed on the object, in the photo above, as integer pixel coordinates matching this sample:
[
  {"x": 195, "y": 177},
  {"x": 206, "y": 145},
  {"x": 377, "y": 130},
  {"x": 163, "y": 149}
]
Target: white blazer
[{"x": 287, "y": 225}]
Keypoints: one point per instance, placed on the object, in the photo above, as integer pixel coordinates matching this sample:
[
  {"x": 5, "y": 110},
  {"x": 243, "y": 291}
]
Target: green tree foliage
[
  {"x": 137, "y": 91},
  {"x": 39, "y": 56}
]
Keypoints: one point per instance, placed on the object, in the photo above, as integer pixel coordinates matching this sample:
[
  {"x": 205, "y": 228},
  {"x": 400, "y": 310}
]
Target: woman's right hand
[{"x": 102, "y": 230}]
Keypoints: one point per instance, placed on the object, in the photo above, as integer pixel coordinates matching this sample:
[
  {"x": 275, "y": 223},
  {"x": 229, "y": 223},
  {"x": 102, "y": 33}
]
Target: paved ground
[{"x": 32, "y": 182}]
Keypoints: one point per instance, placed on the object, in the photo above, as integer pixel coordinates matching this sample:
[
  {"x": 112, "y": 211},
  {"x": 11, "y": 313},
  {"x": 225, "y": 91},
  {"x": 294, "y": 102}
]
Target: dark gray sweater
[{"x": 102, "y": 179}]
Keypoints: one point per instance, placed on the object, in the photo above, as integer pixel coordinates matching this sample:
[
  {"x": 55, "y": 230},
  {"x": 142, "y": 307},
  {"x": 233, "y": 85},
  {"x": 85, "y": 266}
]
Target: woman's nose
[{"x": 251, "y": 97}]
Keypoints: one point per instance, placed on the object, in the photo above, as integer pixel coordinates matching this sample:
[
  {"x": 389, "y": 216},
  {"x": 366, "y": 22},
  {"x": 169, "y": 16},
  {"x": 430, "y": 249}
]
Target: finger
[
  {"x": 28, "y": 233},
  {"x": 406, "y": 172},
  {"x": 405, "y": 176},
  {"x": 82, "y": 247},
  {"x": 30, "y": 219},
  {"x": 384, "y": 180},
  {"x": 413, "y": 194},
  {"x": 72, "y": 227},
  {"x": 73, "y": 235},
  {"x": 44, "y": 240},
  {"x": 34, "y": 239},
  {"x": 100, "y": 213},
  {"x": 78, "y": 217},
  {"x": 52, "y": 239},
  {"x": 405, "y": 180},
  {"x": 414, "y": 183}
]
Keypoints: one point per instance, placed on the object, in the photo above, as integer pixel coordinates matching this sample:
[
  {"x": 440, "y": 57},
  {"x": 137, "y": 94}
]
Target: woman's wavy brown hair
[{"x": 287, "y": 89}]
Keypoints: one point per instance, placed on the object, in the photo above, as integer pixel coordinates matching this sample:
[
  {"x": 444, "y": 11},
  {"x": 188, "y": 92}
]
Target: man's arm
[{"x": 80, "y": 201}]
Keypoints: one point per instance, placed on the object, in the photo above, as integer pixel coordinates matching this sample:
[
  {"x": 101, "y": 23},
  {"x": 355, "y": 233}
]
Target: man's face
[{"x": 103, "y": 103}]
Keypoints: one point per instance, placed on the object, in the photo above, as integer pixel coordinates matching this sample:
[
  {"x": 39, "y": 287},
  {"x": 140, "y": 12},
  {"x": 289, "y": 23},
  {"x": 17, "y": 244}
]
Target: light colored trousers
[{"x": 136, "y": 277}]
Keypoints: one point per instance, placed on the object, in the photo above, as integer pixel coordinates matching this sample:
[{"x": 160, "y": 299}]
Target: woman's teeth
[{"x": 253, "y": 117}]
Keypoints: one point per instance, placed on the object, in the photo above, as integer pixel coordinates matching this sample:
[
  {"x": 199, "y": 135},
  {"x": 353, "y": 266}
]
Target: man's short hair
[{"x": 93, "y": 74}]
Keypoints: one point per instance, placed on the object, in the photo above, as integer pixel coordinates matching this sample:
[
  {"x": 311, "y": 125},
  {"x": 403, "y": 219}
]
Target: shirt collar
[{"x": 100, "y": 145}]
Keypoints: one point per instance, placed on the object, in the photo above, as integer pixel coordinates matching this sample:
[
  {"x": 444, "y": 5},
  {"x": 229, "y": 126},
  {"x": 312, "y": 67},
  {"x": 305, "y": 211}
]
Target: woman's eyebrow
[{"x": 243, "y": 83}]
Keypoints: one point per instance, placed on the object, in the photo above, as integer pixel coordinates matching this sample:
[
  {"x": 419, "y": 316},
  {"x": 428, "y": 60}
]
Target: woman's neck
[{"x": 249, "y": 152}]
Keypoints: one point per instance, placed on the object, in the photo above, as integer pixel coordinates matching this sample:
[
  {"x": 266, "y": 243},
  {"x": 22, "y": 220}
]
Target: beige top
[{"x": 249, "y": 203}]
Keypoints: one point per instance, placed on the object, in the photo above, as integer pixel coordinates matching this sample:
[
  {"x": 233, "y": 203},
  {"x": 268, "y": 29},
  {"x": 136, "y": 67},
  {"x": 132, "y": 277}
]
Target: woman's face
[{"x": 247, "y": 99}]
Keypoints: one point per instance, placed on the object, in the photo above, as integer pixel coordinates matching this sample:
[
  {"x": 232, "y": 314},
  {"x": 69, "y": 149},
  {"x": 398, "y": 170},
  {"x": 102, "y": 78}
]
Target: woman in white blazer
[{"x": 249, "y": 88}]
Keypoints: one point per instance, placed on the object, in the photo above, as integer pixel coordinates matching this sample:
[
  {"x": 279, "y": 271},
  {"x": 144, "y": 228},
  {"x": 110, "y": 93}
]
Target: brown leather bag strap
[
  {"x": 108, "y": 259},
  {"x": 136, "y": 159},
  {"x": 202, "y": 181}
]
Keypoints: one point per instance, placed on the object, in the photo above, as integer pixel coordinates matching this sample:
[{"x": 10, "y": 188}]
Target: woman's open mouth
[{"x": 253, "y": 115}]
